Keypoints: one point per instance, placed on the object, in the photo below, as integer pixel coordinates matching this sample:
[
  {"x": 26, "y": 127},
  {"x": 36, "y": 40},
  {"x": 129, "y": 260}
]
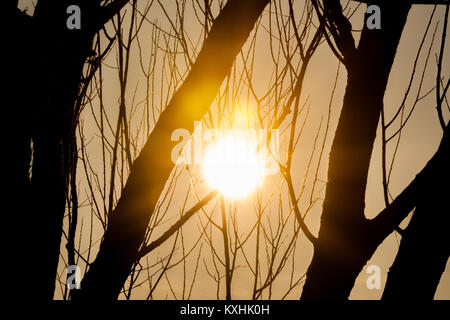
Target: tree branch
[
  {"x": 177, "y": 225},
  {"x": 108, "y": 12},
  {"x": 339, "y": 27},
  {"x": 386, "y": 221},
  {"x": 424, "y": 2}
]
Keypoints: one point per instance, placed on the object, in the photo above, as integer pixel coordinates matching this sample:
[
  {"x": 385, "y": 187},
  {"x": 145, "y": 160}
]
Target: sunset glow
[{"x": 232, "y": 165}]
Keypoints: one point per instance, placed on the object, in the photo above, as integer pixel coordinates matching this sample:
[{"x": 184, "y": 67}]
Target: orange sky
[{"x": 420, "y": 139}]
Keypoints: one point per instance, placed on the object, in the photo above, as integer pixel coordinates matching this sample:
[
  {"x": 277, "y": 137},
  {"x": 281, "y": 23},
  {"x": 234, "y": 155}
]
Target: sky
[{"x": 420, "y": 139}]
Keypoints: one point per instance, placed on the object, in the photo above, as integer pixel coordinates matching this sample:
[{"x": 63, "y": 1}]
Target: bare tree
[
  {"x": 128, "y": 222},
  {"x": 427, "y": 228},
  {"x": 95, "y": 163},
  {"x": 47, "y": 133},
  {"x": 346, "y": 238}
]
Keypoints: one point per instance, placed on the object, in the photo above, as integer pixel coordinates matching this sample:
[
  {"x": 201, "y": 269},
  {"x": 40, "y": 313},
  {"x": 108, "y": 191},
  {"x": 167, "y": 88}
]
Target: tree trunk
[
  {"x": 47, "y": 63},
  {"x": 17, "y": 184},
  {"x": 130, "y": 218},
  {"x": 344, "y": 243},
  {"x": 425, "y": 245}
]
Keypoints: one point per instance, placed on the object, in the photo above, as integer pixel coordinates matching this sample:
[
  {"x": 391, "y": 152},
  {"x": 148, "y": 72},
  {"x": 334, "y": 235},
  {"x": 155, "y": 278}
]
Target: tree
[
  {"x": 130, "y": 218},
  {"x": 427, "y": 228},
  {"x": 346, "y": 238},
  {"x": 344, "y": 244},
  {"x": 49, "y": 111},
  {"x": 96, "y": 152}
]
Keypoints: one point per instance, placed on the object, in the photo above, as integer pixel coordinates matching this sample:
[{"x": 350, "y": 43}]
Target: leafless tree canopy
[{"x": 95, "y": 110}]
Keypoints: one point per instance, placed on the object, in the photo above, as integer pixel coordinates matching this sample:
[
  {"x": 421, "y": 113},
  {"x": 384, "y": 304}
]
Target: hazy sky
[{"x": 420, "y": 139}]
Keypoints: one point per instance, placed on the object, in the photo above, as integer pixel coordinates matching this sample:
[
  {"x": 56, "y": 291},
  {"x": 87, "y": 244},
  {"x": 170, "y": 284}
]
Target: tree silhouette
[
  {"x": 149, "y": 173},
  {"x": 50, "y": 109},
  {"x": 58, "y": 74},
  {"x": 347, "y": 239}
]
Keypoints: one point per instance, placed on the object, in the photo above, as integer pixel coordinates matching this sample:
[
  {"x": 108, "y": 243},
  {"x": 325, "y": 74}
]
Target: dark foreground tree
[
  {"x": 49, "y": 92},
  {"x": 45, "y": 72},
  {"x": 347, "y": 239},
  {"x": 425, "y": 245},
  {"x": 344, "y": 244},
  {"x": 150, "y": 171}
]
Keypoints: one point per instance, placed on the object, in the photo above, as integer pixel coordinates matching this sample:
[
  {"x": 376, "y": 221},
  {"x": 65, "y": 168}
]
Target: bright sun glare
[{"x": 232, "y": 165}]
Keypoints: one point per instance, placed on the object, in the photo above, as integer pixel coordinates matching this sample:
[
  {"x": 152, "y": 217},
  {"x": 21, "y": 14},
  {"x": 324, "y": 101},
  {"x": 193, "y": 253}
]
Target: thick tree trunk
[
  {"x": 342, "y": 250},
  {"x": 344, "y": 243},
  {"x": 47, "y": 63},
  {"x": 61, "y": 57},
  {"x": 425, "y": 245},
  {"x": 18, "y": 154},
  {"x": 47, "y": 209},
  {"x": 128, "y": 222}
]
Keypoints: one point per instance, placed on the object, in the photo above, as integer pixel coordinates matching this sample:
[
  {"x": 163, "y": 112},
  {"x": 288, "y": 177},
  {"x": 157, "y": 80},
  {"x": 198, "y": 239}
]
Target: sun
[{"x": 232, "y": 165}]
